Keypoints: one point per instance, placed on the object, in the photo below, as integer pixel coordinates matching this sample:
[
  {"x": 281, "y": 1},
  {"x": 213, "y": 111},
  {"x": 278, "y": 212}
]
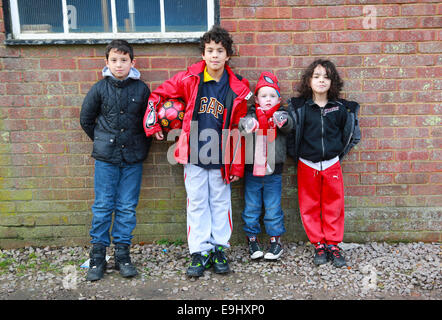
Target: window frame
[{"x": 15, "y": 37}]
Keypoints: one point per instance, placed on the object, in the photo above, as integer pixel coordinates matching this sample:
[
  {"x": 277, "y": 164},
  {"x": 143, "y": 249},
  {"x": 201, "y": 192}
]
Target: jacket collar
[
  {"x": 208, "y": 77},
  {"x": 236, "y": 85},
  {"x": 311, "y": 103},
  {"x": 133, "y": 74}
]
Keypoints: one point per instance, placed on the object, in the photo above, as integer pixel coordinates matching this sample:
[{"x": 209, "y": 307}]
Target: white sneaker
[
  {"x": 255, "y": 249},
  {"x": 274, "y": 252},
  {"x": 257, "y": 254}
]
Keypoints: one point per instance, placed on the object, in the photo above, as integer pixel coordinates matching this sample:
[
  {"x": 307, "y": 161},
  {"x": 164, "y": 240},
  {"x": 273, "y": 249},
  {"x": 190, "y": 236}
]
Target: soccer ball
[{"x": 171, "y": 114}]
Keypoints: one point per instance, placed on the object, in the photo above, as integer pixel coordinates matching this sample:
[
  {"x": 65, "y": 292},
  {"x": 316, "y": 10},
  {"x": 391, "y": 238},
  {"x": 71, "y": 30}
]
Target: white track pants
[{"x": 209, "y": 209}]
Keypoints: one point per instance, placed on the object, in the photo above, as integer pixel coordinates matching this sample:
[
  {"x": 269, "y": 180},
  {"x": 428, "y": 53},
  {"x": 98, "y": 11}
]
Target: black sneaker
[
  {"x": 254, "y": 248},
  {"x": 275, "y": 249},
  {"x": 219, "y": 260},
  {"x": 199, "y": 263},
  {"x": 97, "y": 262},
  {"x": 335, "y": 255},
  {"x": 123, "y": 262},
  {"x": 321, "y": 254}
]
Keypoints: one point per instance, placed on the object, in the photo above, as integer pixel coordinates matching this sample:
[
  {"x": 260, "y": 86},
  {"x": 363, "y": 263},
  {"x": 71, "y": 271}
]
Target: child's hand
[
  {"x": 233, "y": 178},
  {"x": 251, "y": 125},
  {"x": 280, "y": 118},
  {"x": 159, "y": 135}
]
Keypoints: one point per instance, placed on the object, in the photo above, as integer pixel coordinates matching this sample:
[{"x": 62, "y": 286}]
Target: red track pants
[{"x": 321, "y": 202}]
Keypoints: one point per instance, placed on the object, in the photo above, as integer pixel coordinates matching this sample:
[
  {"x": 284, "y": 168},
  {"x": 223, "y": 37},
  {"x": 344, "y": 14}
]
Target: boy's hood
[{"x": 133, "y": 73}]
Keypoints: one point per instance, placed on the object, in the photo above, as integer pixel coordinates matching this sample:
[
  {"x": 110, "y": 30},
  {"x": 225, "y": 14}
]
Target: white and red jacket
[{"x": 187, "y": 86}]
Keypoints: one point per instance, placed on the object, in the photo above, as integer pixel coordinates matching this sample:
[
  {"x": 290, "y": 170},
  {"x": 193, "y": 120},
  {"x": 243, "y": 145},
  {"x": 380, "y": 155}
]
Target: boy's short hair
[
  {"x": 122, "y": 46},
  {"x": 217, "y": 34}
]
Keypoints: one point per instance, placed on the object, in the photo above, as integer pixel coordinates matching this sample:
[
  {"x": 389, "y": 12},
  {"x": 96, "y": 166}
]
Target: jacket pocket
[
  {"x": 136, "y": 106},
  {"x": 104, "y": 145},
  {"x": 139, "y": 148}
]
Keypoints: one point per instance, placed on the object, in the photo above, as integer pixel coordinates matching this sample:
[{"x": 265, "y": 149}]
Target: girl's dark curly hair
[
  {"x": 305, "y": 91},
  {"x": 217, "y": 34}
]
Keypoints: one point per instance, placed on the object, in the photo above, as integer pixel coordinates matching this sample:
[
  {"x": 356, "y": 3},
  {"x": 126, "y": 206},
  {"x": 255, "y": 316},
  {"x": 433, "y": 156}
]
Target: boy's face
[
  {"x": 215, "y": 56},
  {"x": 267, "y": 98},
  {"x": 119, "y": 64},
  {"x": 320, "y": 82}
]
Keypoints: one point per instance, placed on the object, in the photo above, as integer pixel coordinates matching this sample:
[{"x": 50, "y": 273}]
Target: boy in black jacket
[
  {"x": 112, "y": 116},
  {"x": 325, "y": 129}
]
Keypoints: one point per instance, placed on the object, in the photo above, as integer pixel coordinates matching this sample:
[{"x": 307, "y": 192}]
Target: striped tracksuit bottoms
[
  {"x": 321, "y": 202},
  {"x": 209, "y": 209}
]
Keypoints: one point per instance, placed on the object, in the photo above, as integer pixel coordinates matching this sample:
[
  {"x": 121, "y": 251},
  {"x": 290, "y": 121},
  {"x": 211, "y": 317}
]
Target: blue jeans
[
  {"x": 259, "y": 190},
  {"x": 117, "y": 189}
]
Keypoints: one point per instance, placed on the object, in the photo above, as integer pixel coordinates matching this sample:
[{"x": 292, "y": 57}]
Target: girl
[{"x": 325, "y": 130}]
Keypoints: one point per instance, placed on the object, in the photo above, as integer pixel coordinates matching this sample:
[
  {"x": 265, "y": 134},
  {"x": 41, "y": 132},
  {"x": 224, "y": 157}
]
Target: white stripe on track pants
[{"x": 209, "y": 209}]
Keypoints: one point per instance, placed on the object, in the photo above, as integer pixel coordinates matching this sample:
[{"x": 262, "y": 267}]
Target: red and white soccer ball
[{"x": 171, "y": 114}]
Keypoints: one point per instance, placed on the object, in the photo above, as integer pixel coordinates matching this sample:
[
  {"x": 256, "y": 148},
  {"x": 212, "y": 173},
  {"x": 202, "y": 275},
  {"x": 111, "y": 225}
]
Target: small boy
[
  {"x": 215, "y": 100},
  {"x": 263, "y": 178},
  {"x": 326, "y": 128},
  {"x": 112, "y": 115}
]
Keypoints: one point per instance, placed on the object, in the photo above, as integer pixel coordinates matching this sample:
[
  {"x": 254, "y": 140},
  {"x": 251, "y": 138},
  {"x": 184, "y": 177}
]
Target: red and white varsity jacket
[{"x": 186, "y": 86}]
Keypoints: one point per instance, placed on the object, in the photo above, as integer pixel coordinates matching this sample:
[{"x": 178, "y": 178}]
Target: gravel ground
[{"x": 376, "y": 271}]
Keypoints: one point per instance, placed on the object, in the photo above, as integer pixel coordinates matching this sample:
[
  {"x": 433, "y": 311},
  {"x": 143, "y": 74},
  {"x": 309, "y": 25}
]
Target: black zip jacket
[
  {"x": 322, "y": 133},
  {"x": 112, "y": 116}
]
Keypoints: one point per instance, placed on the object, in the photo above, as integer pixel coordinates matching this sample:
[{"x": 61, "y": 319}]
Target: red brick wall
[{"x": 390, "y": 60}]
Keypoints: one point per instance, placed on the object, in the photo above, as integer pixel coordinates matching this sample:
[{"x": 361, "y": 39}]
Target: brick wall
[{"x": 388, "y": 52}]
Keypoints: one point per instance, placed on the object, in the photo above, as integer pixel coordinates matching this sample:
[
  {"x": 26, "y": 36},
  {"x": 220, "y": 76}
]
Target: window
[{"x": 83, "y": 21}]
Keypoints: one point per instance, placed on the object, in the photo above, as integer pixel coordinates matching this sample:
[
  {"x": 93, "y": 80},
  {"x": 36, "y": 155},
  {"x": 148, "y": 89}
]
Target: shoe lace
[
  {"x": 96, "y": 258},
  {"x": 274, "y": 247},
  {"x": 320, "y": 250},
  {"x": 196, "y": 260},
  {"x": 219, "y": 256},
  {"x": 124, "y": 258},
  {"x": 254, "y": 246},
  {"x": 336, "y": 251},
  {"x": 93, "y": 263}
]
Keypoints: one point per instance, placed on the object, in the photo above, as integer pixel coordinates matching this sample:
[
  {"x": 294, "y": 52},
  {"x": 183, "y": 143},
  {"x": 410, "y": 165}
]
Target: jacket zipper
[{"x": 322, "y": 135}]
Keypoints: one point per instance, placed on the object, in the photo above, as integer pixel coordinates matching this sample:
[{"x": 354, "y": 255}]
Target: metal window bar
[
  {"x": 163, "y": 17},
  {"x": 114, "y": 17},
  {"x": 16, "y": 29},
  {"x": 65, "y": 17}
]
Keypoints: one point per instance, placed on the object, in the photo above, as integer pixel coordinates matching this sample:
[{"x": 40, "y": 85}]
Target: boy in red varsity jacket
[{"x": 208, "y": 145}]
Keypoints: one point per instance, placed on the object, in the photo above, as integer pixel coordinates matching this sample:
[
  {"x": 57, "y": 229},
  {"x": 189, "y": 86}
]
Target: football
[{"x": 171, "y": 114}]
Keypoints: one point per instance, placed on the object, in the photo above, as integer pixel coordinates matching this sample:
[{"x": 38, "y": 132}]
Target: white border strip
[{"x": 66, "y": 35}]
